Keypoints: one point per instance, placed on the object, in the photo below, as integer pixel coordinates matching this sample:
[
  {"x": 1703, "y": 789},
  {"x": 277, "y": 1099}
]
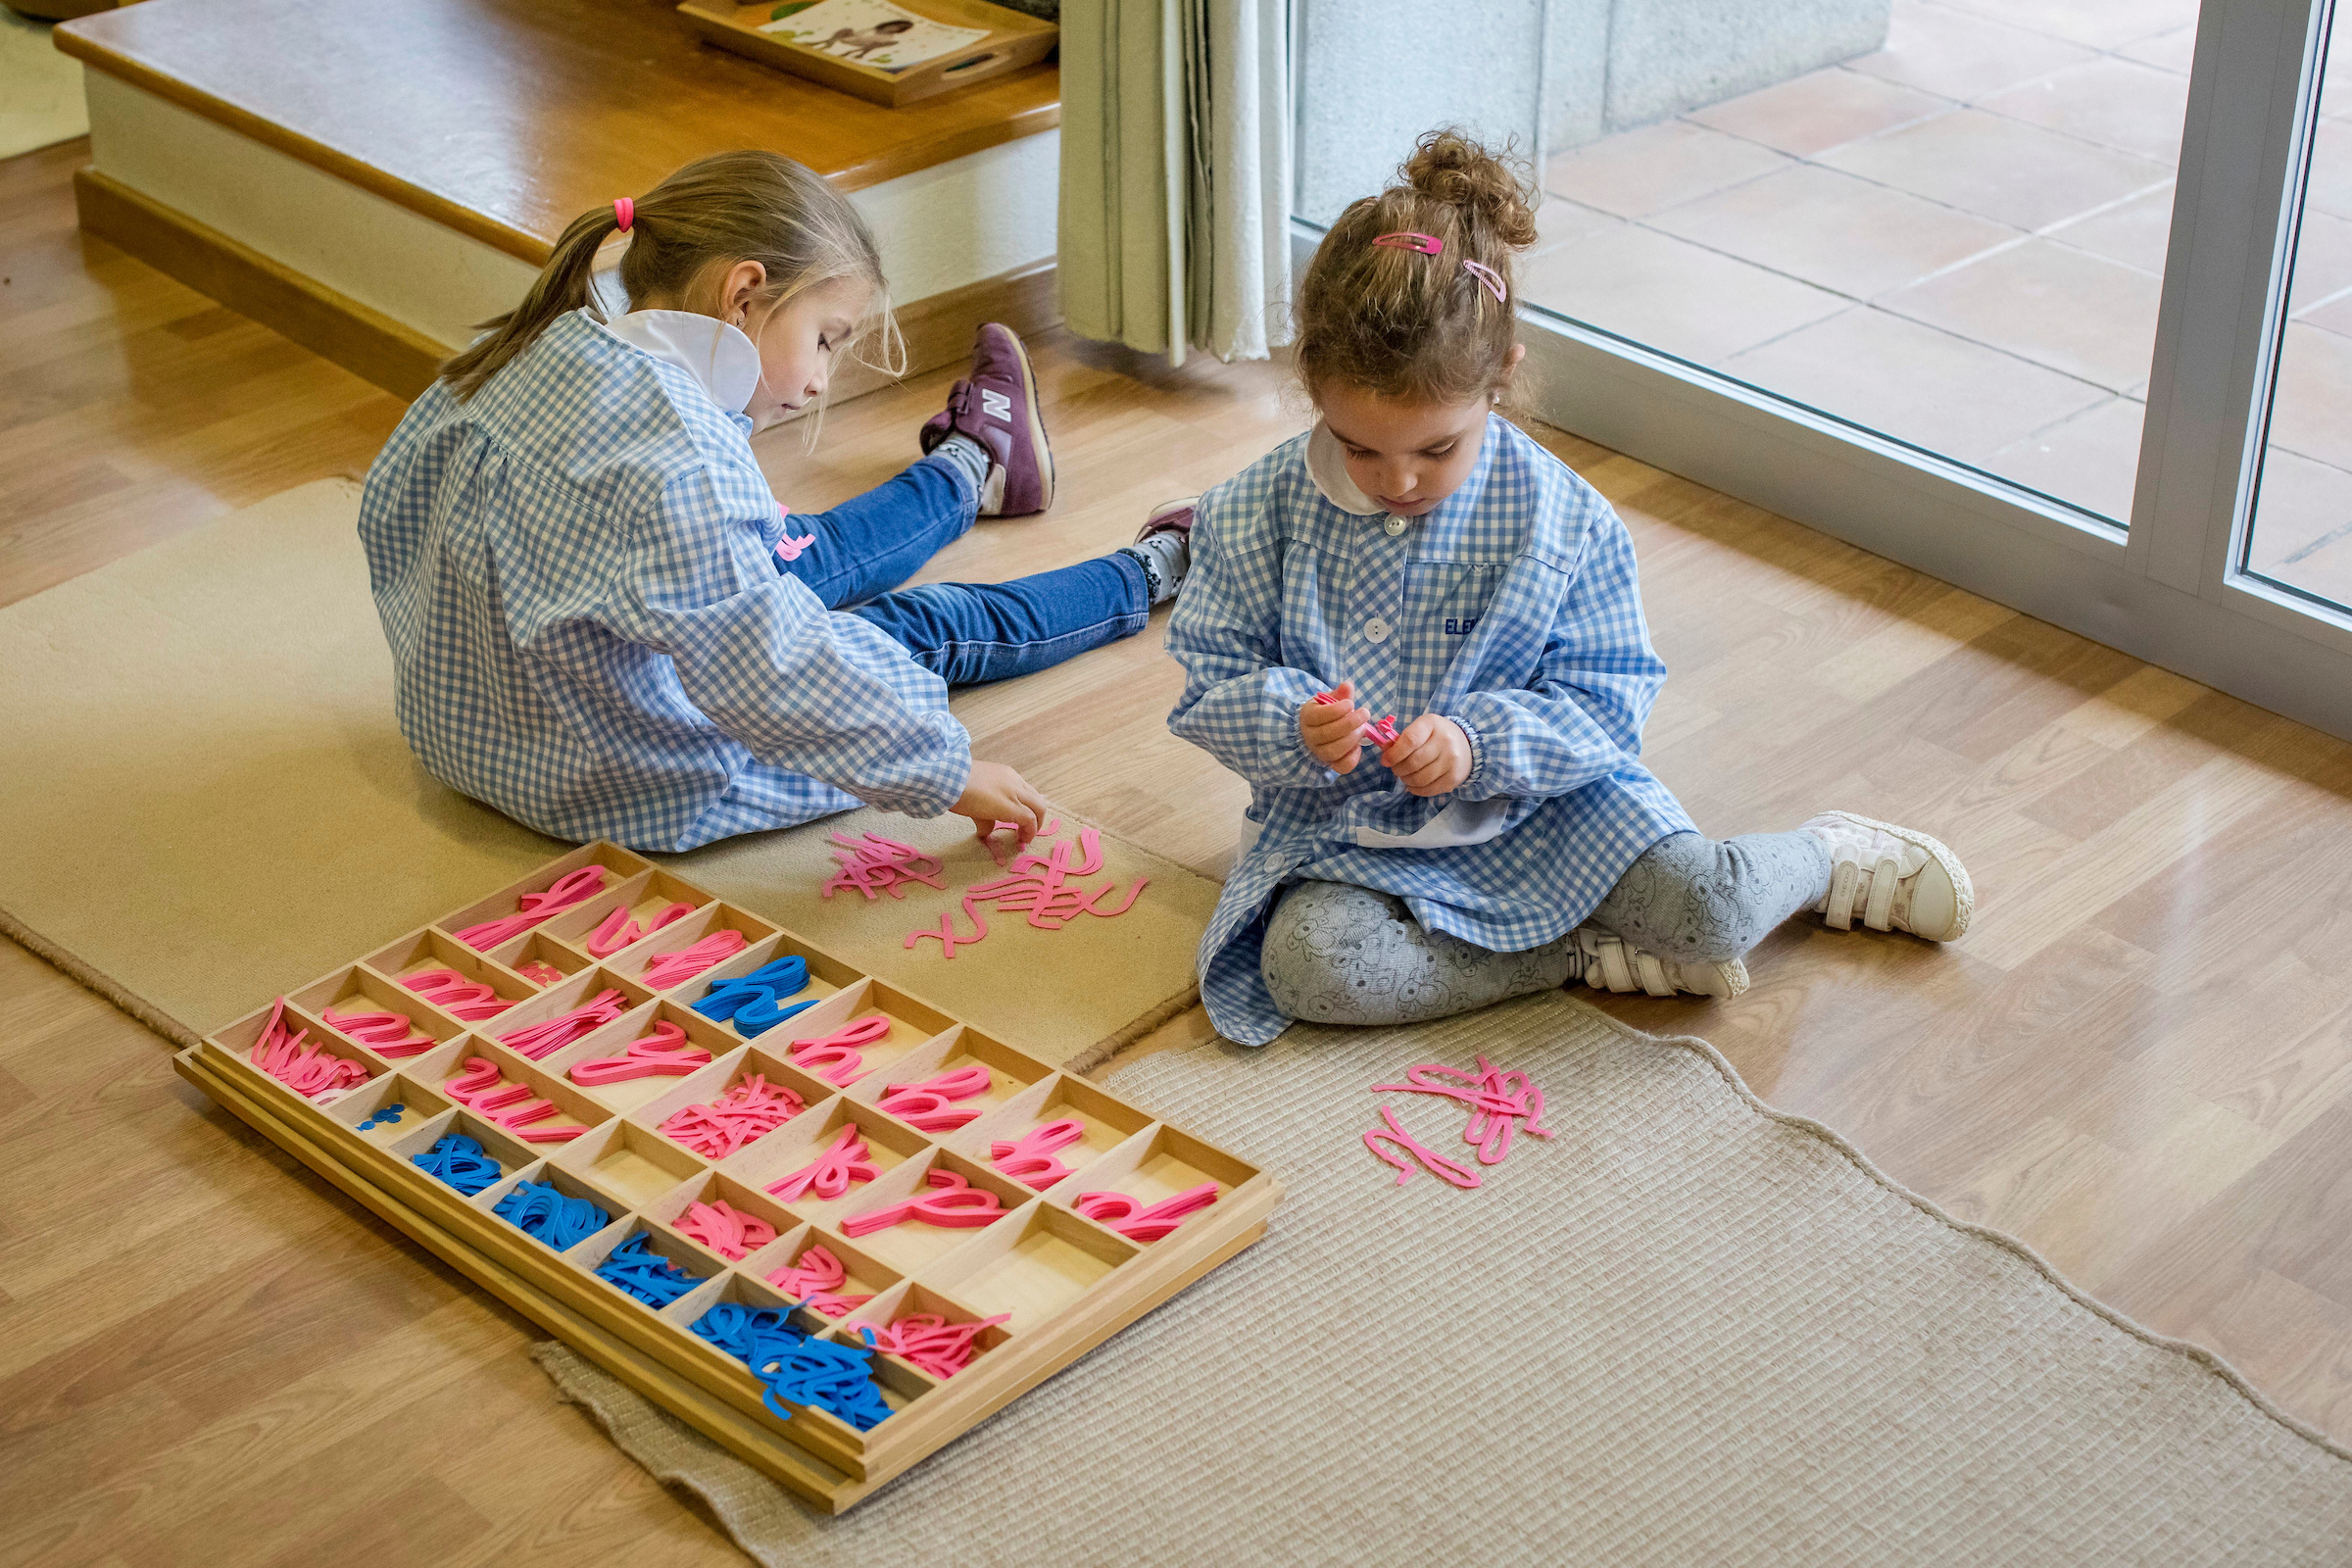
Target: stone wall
[{"x": 1375, "y": 73}]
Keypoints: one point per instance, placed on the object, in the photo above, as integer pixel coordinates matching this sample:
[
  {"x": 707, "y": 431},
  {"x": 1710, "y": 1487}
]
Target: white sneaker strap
[
  {"x": 1884, "y": 878},
  {"x": 1654, "y": 978},
  {"x": 1837, "y": 907}
]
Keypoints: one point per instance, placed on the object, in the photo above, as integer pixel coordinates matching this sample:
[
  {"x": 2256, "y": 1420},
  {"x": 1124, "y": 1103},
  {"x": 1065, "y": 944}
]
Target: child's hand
[
  {"x": 996, "y": 794},
  {"x": 1334, "y": 732},
  {"x": 1430, "y": 756}
]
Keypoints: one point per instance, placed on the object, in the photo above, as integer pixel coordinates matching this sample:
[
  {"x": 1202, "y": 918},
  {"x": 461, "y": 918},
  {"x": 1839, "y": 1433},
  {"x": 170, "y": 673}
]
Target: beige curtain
[{"x": 1176, "y": 173}]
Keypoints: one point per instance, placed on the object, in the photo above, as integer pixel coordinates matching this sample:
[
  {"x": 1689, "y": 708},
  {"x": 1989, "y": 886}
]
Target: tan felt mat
[
  {"x": 1688, "y": 1330},
  {"x": 206, "y": 800}
]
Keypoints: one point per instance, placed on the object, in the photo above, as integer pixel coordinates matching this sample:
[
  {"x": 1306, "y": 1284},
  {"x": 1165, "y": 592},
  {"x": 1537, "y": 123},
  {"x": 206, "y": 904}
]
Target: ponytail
[
  {"x": 1407, "y": 321},
  {"x": 563, "y": 284},
  {"x": 683, "y": 234}
]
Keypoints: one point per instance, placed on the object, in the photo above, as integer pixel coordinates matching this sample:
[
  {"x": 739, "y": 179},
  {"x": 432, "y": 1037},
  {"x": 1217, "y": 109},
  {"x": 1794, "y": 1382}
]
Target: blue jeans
[{"x": 964, "y": 633}]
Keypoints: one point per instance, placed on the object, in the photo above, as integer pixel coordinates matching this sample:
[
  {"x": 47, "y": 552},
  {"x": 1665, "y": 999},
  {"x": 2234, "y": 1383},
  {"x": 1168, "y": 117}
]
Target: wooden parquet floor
[{"x": 2141, "y": 1061}]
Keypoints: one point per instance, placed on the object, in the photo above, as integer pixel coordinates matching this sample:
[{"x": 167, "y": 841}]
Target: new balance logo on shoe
[{"x": 995, "y": 406}]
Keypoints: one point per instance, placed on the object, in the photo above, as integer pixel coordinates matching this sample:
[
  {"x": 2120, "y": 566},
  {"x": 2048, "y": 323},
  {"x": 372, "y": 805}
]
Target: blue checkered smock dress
[
  {"x": 1512, "y": 609},
  {"x": 575, "y": 569}
]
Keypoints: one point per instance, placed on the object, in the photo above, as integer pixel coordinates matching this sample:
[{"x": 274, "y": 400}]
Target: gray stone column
[{"x": 1374, "y": 74}]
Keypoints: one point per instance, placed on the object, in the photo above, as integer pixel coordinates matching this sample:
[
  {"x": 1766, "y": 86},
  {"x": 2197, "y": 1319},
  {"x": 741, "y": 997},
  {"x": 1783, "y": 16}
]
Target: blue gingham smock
[
  {"x": 1512, "y": 609},
  {"x": 575, "y": 569}
]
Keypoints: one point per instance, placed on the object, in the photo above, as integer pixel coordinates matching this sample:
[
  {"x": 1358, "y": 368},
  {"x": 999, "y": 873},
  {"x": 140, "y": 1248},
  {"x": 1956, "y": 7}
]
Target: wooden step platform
[{"x": 373, "y": 179}]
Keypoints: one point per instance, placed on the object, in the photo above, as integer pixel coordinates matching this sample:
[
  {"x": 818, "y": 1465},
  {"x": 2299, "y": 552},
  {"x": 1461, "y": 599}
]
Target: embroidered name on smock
[{"x": 1459, "y": 625}]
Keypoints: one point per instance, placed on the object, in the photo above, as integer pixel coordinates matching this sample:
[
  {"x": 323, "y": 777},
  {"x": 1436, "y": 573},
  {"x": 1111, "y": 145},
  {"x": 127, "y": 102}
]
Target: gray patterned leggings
[{"x": 1339, "y": 953}]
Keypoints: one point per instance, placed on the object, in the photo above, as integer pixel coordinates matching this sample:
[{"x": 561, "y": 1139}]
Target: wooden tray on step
[{"x": 1014, "y": 40}]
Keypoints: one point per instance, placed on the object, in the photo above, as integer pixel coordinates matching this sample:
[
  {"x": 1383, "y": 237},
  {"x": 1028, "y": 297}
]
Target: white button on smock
[
  {"x": 1394, "y": 526},
  {"x": 1376, "y": 630}
]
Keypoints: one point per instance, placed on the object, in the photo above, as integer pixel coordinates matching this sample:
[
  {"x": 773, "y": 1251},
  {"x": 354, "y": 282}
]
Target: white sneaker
[
  {"x": 1608, "y": 963},
  {"x": 1894, "y": 878}
]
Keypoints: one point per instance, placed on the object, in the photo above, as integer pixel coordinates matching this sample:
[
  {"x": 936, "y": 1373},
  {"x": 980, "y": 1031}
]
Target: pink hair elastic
[
  {"x": 1136, "y": 1223},
  {"x": 829, "y": 1175},
  {"x": 1029, "y": 1159},
  {"x": 955, "y": 1203},
  {"x": 625, "y": 212}
]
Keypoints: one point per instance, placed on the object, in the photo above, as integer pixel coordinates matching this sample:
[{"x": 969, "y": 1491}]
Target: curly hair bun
[{"x": 1451, "y": 167}]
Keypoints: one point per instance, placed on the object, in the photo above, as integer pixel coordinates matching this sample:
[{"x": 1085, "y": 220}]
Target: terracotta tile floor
[{"x": 1959, "y": 240}]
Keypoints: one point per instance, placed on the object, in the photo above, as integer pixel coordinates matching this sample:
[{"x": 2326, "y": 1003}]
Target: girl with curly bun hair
[{"x": 1417, "y": 554}]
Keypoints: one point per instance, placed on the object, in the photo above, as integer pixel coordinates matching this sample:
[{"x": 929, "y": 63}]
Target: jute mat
[
  {"x": 207, "y": 801},
  {"x": 1687, "y": 1331}
]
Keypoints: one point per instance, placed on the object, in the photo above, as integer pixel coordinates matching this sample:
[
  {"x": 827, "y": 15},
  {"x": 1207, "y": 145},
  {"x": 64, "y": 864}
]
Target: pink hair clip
[
  {"x": 1488, "y": 275},
  {"x": 1410, "y": 240},
  {"x": 625, "y": 212}
]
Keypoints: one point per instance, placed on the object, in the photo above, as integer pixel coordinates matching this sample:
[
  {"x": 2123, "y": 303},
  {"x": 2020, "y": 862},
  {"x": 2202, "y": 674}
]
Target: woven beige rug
[
  {"x": 206, "y": 800},
  {"x": 1687, "y": 1331}
]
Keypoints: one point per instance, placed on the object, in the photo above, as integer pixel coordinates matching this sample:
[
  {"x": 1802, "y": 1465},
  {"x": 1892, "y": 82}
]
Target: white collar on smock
[
  {"x": 724, "y": 361},
  {"x": 1327, "y": 466}
]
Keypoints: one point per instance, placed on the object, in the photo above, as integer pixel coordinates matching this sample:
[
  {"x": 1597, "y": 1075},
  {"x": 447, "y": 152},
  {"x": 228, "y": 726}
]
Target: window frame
[{"x": 2171, "y": 588}]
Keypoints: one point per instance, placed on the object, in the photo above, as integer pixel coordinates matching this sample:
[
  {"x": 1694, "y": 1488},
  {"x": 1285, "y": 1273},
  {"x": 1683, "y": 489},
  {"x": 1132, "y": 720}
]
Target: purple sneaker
[{"x": 997, "y": 406}]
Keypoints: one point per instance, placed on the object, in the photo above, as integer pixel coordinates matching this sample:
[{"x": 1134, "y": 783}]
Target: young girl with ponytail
[
  {"x": 602, "y": 622},
  {"x": 1417, "y": 554}
]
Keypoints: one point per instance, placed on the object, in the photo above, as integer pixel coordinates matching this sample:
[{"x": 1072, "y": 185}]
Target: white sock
[
  {"x": 1166, "y": 558},
  {"x": 969, "y": 455}
]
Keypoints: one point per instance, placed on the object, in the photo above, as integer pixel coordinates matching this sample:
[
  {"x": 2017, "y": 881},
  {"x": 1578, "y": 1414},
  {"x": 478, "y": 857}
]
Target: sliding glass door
[
  {"x": 2049, "y": 298},
  {"x": 2300, "y": 539}
]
